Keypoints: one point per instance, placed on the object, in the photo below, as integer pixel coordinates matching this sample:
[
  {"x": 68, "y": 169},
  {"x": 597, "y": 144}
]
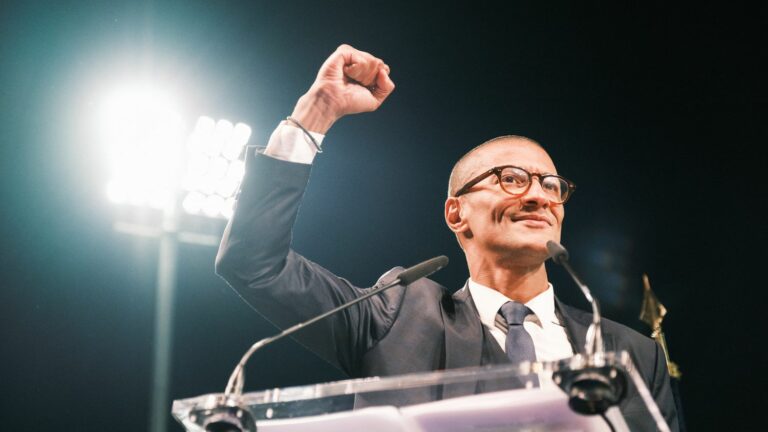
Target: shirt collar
[{"x": 488, "y": 301}]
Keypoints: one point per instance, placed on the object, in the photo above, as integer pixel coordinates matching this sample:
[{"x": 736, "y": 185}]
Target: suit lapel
[
  {"x": 577, "y": 323},
  {"x": 464, "y": 335},
  {"x": 463, "y": 339},
  {"x": 464, "y": 332}
]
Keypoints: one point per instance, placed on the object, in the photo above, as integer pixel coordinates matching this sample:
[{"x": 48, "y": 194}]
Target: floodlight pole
[
  {"x": 163, "y": 338},
  {"x": 170, "y": 237}
]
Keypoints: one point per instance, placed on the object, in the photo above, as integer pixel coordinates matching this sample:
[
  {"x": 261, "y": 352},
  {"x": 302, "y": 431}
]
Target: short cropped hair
[{"x": 460, "y": 173}]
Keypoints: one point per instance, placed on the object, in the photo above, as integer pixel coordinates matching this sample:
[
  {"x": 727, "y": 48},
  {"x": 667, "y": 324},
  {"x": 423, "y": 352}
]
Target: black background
[{"x": 653, "y": 110}]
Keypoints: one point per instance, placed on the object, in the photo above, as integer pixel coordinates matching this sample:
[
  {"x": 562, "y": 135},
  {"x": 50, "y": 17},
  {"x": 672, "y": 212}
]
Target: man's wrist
[{"x": 315, "y": 112}]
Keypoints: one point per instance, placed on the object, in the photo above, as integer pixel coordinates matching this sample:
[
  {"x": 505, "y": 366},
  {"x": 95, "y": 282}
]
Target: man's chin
[
  {"x": 533, "y": 243},
  {"x": 533, "y": 253}
]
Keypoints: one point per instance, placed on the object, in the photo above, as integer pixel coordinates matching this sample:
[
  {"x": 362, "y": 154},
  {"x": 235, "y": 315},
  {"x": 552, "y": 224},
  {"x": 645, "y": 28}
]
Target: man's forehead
[{"x": 510, "y": 151}]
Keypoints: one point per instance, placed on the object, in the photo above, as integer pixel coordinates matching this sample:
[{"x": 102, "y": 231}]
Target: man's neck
[{"x": 519, "y": 283}]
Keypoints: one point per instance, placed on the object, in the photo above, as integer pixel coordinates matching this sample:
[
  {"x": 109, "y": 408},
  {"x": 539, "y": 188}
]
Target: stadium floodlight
[
  {"x": 152, "y": 166},
  {"x": 214, "y": 167},
  {"x": 143, "y": 132}
]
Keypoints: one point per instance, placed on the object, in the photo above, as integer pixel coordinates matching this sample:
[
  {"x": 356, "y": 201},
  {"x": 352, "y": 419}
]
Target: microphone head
[
  {"x": 557, "y": 252},
  {"x": 423, "y": 269}
]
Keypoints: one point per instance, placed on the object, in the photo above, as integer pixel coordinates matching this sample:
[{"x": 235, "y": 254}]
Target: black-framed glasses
[{"x": 516, "y": 181}]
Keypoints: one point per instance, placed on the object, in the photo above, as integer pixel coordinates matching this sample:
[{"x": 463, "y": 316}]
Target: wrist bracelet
[{"x": 306, "y": 132}]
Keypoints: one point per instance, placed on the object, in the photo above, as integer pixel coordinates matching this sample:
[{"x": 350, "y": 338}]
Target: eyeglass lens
[{"x": 516, "y": 181}]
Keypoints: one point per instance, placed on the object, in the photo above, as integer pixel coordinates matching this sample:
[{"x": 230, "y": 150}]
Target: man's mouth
[{"x": 532, "y": 219}]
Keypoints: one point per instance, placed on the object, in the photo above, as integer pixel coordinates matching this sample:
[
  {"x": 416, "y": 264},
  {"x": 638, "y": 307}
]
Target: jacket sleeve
[
  {"x": 662, "y": 390},
  {"x": 256, "y": 259}
]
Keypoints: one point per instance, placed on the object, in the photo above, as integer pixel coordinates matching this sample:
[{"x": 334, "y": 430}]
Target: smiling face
[{"x": 493, "y": 224}]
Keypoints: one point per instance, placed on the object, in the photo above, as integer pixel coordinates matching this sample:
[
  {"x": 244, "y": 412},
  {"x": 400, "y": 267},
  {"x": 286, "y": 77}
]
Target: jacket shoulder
[{"x": 623, "y": 336}]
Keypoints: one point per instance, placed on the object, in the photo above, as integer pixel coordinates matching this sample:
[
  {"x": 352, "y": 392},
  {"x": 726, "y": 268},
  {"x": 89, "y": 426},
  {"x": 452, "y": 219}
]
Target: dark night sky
[{"x": 652, "y": 109}]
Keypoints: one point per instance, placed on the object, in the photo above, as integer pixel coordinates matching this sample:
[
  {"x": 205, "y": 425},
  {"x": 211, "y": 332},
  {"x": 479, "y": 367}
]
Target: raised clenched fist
[{"x": 349, "y": 82}]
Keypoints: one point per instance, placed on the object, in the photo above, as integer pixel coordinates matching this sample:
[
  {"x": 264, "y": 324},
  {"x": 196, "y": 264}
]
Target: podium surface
[{"x": 510, "y": 397}]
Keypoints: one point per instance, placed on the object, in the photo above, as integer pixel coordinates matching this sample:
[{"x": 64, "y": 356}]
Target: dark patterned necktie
[{"x": 519, "y": 342}]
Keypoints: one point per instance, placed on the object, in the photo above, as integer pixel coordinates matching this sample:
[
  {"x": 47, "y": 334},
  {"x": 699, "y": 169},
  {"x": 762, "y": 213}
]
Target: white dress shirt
[{"x": 550, "y": 339}]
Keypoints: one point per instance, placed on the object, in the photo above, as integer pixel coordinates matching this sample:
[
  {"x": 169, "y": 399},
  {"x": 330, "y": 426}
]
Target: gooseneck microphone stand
[
  {"x": 597, "y": 386},
  {"x": 226, "y": 414}
]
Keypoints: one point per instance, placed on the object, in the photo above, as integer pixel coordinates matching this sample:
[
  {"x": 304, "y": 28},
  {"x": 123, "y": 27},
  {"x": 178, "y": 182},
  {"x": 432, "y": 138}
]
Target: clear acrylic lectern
[{"x": 524, "y": 397}]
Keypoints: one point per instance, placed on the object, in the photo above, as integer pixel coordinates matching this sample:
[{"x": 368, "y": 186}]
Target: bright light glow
[
  {"x": 143, "y": 133},
  {"x": 234, "y": 146},
  {"x": 151, "y": 165},
  {"x": 229, "y": 207},
  {"x": 214, "y": 167},
  {"x": 193, "y": 202},
  {"x": 213, "y": 205}
]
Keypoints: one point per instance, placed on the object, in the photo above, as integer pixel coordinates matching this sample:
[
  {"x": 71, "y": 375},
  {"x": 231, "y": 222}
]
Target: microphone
[
  {"x": 594, "y": 389},
  {"x": 228, "y": 415},
  {"x": 594, "y": 343},
  {"x": 406, "y": 277},
  {"x": 421, "y": 270},
  {"x": 557, "y": 252}
]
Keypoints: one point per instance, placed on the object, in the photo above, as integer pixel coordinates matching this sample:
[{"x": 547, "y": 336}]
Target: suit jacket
[{"x": 419, "y": 329}]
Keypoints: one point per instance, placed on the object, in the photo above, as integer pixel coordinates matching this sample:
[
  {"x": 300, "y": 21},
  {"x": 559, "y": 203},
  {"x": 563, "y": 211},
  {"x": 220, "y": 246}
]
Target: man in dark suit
[{"x": 505, "y": 201}]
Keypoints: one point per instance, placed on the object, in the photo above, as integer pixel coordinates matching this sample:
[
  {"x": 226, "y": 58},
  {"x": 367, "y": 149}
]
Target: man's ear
[{"x": 454, "y": 216}]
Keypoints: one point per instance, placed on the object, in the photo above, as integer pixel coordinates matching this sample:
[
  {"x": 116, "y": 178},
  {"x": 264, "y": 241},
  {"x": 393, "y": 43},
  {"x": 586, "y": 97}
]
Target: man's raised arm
[
  {"x": 257, "y": 239},
  {"x": 255, "y": 256}
]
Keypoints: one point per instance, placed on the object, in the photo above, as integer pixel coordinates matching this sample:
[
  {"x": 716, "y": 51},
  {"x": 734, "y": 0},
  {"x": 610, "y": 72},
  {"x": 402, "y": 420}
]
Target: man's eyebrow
[{"x": 530, "y": 170}]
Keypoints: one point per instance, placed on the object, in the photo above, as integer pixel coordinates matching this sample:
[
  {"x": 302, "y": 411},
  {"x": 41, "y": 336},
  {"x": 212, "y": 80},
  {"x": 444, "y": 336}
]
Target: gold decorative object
[{"x": 652, "y": 313}]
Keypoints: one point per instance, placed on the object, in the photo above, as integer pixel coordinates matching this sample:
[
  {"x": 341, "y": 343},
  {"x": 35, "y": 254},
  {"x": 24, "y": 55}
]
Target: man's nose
[{"x": 536, "y": 196}]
